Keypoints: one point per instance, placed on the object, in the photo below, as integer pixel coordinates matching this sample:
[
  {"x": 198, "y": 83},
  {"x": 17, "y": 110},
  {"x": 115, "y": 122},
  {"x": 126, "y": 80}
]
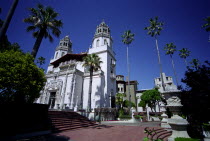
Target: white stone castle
[{"x": 68, "y": 81}]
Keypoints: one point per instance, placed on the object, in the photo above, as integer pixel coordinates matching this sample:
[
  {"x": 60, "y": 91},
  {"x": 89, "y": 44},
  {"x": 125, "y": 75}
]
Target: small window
[
  {"x": 60, "y": 44},
  {"x": 97, "y": 43},
  {"x": 159, "y": 79},
  {"x": 56, "y": 55},
  {"x": 167, "y": 78},
  {"x": 62, "y": 53},
  {"x": 105, "y": 42}
]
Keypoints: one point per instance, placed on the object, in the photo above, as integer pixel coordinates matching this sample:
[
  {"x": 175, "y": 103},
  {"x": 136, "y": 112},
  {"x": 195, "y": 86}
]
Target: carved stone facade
[{"x": 68, "y": 81}]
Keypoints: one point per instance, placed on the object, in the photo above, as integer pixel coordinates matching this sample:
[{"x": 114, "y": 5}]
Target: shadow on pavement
[{"x": 101, "y": 126}]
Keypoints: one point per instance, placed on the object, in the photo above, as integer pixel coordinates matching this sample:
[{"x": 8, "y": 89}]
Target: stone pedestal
[
  {"x": 164, "y": 121},
  {"x": 177, "y": 123},
  {"x": 179, "y": 127}
]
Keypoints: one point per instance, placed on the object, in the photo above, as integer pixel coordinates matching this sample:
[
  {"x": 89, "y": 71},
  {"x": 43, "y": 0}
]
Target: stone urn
[{"x": 177, "y": 123}]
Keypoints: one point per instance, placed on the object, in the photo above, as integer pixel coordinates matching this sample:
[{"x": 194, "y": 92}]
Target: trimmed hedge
[
  {"x": 125, "y": 116},
  {"x": 185, "y": 139}
]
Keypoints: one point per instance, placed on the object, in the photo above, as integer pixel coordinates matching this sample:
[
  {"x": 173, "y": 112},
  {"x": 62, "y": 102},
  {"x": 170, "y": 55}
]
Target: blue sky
[{"x": 182, "y": 26}]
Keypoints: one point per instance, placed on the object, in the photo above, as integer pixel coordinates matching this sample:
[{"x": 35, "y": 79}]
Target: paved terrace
[{"x": 108, "y": 132}]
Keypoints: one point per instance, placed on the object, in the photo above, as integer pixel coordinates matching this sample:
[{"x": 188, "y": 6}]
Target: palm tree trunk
[
  {"x": 161, "y": 72},
  {"x": 172, "y": 62},
  {"x": 128, "y": 67},
  {"x": 8, "y": 19},
  {"x": 90, "y": 89},
  {"x": 37, "y": 43},
  {"x": 185, "y": 62}
]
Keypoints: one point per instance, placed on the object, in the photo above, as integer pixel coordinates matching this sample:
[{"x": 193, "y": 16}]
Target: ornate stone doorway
[{"x": 52, "y": 100}]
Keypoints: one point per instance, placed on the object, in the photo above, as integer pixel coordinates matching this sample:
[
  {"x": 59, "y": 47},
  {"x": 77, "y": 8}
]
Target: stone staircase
[
  {"x": 159, "y": 133},
  {"x": 62, "y": 120}
]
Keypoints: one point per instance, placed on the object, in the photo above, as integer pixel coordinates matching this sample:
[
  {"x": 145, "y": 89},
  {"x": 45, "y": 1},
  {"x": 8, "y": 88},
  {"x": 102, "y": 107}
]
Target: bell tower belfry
[
  {"x": 105, "y": 82},
  {"x": 64, "y": 47},
  {"x": 102, "y": 36}
]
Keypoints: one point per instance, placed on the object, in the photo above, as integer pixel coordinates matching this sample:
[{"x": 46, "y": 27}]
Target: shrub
[
  {"x": 137, "y": 116},
  {"x": 125, "y": 116},
  {"x": 185, "y": 139}
]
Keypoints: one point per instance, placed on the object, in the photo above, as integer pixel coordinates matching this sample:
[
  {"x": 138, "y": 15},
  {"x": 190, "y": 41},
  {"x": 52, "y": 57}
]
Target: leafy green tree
[
  {"x": 91, "y": 61},
  {"x": 127, "y": 103},
  {"x": 20, "y": 79},
  {"x": 43, "y": 20},
  {"x": 195, "y": 63},
  {"x": 128, "y": 38},
  {"x": 119, "y": 99},
  {"x": 207, "y": 24},
  {"x": 151, "y": 98},
  {"x": 184, "y": 53},
  {"x": 154, "y": 30},
  {"x": 196, "y": 97},
  {"x": 170, "y": 49}
]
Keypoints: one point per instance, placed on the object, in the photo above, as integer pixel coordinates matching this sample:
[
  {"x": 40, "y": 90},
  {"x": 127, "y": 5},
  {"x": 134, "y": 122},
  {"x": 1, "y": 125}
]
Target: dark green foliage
[
  {"x": 155, "y": 27},
  {"x": 119, "y": 99},
  {"x": 207, "y": 24},
  {"x": 125, "y": 116},
  {"x": 20, "y": 79},
  {"x": 44, "y": 24},
  {"x": 138, "y": 117},
  {"x": 185, "y": 139},
  {"x": 6, "y": 45},
  {"x": 40, "y": 61},
  {"x": 91, "y": 61},
  {"x": 128, "y": 37},
  {"x": 126, "y": 103},
  {"x": 150, "y": 98},
  {"x": 196, "y": 97}
]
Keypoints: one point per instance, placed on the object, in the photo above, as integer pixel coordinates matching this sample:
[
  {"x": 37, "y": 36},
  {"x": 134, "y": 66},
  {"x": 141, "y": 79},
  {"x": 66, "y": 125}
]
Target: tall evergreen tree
[
  {"x": 170, "y": 49},
  {"x": 43, "y": 21},
  {"x": 128, "y": 37},
  {"x": 154, "y": 30},
  {"x": 92, "y": 62}
]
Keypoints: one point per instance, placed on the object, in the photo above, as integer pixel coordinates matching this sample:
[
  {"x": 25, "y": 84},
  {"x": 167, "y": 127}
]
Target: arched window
[
  {"x": 62, "y": 54},
  {"x": 56, "y": 55},
  {"x": 105, "y": 42},
  {"x": 97, "y": 43}
]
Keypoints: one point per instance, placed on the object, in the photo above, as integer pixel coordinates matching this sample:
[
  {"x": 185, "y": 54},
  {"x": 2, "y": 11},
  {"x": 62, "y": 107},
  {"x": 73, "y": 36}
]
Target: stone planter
[{"x": 177, "y": 123}]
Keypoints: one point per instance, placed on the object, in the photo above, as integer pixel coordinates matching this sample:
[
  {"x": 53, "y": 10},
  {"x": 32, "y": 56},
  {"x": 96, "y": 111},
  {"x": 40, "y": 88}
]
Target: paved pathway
[
  {"x": 114, "y": 132},
  {"x": 106, "y": 133}
]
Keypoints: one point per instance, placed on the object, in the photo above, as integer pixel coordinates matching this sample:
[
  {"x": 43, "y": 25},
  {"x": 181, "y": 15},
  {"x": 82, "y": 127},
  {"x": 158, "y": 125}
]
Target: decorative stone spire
[
  {"x": 65, "y": 44},
  {"x": 102, "y": 30}
]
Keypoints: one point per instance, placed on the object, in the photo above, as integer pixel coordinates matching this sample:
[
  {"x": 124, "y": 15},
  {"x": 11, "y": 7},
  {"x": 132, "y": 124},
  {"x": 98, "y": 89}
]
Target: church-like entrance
[{"x": 52, "y": 100}]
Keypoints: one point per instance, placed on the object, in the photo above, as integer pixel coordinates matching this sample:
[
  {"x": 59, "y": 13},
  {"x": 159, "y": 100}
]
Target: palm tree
[
  {"x": 154, "y": 30},
  {"x": 8, "y": 19},
  {"x": 43, "y": 20},
  {"x": 170, "y": 49},
  {"x": 128, "y": 37},
  {"x": 184, "y": 53},
  {"x": 207, "y": 25},
  {"x": 92, "y": 62},
  {"x": 195, "y": 63},
  {"x": 40, "y": 61}
]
